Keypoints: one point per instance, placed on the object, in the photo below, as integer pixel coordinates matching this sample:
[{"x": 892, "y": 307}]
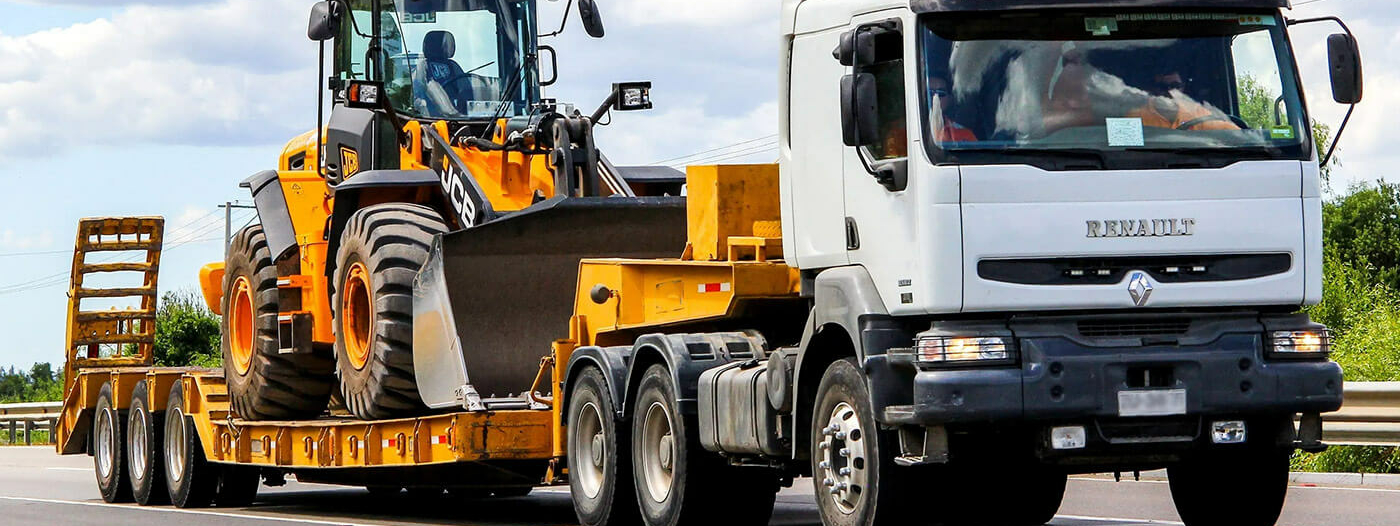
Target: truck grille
[
  {"x": 1134, "y": 328},
  {"x": 1151, "y": 430},
  {"x": 1112, "y": 270}
]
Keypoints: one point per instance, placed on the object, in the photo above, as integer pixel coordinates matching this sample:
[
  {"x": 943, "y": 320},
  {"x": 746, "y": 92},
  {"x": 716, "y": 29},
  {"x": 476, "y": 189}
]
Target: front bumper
[{"x": 1064, "y": 377}]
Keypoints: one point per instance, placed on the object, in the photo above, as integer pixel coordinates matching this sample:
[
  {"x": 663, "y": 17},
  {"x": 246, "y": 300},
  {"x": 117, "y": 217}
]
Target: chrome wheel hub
[
  {"x": 106, "y": 438},
  {"x": 842, "y": 469},
  {"x": 175, "y": 445},
  {"x": 658, "y": 452},
  {"x": 136, "y": 436},
  {"x": 589, "y": 444}
]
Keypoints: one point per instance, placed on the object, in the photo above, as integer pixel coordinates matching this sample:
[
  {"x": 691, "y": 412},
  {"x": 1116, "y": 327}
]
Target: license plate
[{"x": 1158, "y": 402}]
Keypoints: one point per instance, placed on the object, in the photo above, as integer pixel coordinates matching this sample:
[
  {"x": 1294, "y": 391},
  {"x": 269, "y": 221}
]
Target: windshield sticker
[
  {"x": 420, "y": 18},
  {"x": 1125, "y": 132},
  {"x": 1101, "y": 27},
  {"x": 1281, "y": 132}
]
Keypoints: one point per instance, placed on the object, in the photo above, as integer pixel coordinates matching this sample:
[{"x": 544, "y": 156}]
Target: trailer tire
[
  {"x": 600, "y": 470},
  {"x": 1246, "y": 487},
  {"x": 872, "y": 495},
  {"x": 238, "y": 486},
  {"x": 381, "y": 250},
  {"x": 190, "y": 479},
  {"x": 263, "y": 383},
  {"x": 109, "y": 448},
  {"x": 678, "y": 482},
  {"x": 145, "y": 452}
]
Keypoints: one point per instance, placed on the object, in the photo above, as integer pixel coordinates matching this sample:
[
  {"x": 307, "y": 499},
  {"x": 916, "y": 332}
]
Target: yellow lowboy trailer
[{"x": 163, "y": 434}]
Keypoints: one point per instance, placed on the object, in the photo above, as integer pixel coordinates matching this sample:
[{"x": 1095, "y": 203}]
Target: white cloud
[
  {"x": 642, "y": 138},
  {"x": 24, "y": 240},
  {"x": 711, "y": 13},
  {"x": 235, "y": 72}
]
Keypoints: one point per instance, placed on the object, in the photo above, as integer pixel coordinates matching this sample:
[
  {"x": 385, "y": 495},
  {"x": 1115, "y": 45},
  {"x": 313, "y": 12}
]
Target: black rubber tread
[
  {"x": 116, "y": 486},
  {"x": 238, "y": 486},
  {"x": 888, "y": 496},
  {"x": 392, "y": 240},
  {"x": 148, "y": 487},
  {"x": 699, "y": 478},
  {"x": 278, "y": 386},
  {"x": 616, "y": 502},
  {"x": 1239, "y": 485},
  {"x": 196, "y": 486}
]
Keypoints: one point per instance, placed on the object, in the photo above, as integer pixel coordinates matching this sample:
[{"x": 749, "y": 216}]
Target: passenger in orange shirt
[
  {"x": 940, "y": 88},
  {"x": 1170, "y": 107}
]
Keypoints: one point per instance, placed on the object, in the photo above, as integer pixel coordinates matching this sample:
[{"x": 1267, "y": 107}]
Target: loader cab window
[
  {"x": 352, "y": 56},
  {"x": 459, "y": 59},
  {"x": 1111, "y": 90}
]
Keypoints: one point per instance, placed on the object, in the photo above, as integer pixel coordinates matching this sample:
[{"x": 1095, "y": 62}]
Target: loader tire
[
  {"x": 381, "y": 250},
  {"x": 264, "y": 384}
]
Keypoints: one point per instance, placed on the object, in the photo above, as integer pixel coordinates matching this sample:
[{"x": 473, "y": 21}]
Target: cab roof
[{"x": 929, "y": 6}]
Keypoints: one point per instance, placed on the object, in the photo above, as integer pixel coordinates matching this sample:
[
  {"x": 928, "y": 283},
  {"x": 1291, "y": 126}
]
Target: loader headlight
[
  {"x": 1300, "y": 344},
  {"x": 364, "y": 94},
  {"x": 964, "y": 350},
  {"x": 632, "y": 96}
]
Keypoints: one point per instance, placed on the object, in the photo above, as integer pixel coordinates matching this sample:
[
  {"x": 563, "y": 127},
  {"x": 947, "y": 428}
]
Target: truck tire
[
  {"x": 600, "y": 468},
  {"x": 238, "y": 486},
  {"x": 857, "y": 482},
  {"x": 263, "y": 383},
  {"x": 1244, "y": 487},
  {"x": 109, "y": 448},
  {"x": 381, "y": 251},
  {"x": 190, "y": 479},
  {"x": 678, "y": 482},
  {"x": 145, "y": 461}
]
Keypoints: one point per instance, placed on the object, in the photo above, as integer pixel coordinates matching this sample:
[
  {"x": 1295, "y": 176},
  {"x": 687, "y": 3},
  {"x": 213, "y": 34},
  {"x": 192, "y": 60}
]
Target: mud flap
[{"x": 507, "y": 287}]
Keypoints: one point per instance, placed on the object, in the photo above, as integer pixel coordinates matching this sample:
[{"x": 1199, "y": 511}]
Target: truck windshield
[
  {"x": 1136, "y": 90},
  {"x": 456, "y": 59}
]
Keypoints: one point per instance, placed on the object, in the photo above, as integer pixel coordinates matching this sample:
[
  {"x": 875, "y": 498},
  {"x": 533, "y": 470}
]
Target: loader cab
[
  {"x": 467, "y": 62},
  {"x": 1001, "y": 156}
]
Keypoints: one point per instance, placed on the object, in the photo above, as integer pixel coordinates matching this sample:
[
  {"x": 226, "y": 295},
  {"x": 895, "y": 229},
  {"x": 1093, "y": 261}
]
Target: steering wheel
[{"x": 1232, "y": 119}]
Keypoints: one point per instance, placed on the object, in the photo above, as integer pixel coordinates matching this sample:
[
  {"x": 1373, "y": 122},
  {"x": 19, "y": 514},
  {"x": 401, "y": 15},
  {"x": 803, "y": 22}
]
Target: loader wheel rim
[
  {"x": 106, "y": 442},
  {"x": 241, "y": 325},
  {"x": 843, "y": 463},
  {"x": 357, "y": 316},
  {"x": 658, "y": 452},
  {"x": 592, "y": 449},
  {"x": 175, "y": 444}
]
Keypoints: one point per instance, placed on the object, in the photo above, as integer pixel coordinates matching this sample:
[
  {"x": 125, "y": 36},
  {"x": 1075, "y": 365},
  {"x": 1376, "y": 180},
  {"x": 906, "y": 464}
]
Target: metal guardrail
[
  {"x": 24, "y": 419},
  {"x": 1370, "y": 416}
]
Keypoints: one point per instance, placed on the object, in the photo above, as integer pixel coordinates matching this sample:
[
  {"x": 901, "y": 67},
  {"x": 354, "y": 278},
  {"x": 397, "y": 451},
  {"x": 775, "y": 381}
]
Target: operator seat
[{"x": 439, "y": 47}]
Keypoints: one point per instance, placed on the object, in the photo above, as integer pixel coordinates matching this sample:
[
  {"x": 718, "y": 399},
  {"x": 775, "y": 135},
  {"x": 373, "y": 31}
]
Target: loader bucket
[{"x": 507, "y": 287}]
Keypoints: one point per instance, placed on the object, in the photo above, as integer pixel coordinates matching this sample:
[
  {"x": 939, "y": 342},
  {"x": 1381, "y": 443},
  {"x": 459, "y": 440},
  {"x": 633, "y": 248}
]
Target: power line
[
  {"x": 734, "y": 154},
  {"x": 674, "y": 160}
]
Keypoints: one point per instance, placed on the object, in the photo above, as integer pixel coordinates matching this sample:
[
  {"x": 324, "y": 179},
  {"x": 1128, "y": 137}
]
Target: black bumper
[{"x": 1063, "y": 377}]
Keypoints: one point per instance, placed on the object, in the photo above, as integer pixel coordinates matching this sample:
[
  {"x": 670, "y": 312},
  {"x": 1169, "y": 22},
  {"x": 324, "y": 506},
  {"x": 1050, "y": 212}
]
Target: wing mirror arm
[{"x": 1344, "y": 63}]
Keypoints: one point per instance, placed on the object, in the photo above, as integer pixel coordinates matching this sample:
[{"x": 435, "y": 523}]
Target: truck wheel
[
  {"x": 263, "y": 383},
  {"x": 145, "y": 462},
  {"x": 381, "y": 251},
  {"x": 853, "y": 466},
  {"x": 108, "y": 428},
  {"x": 190, "y": 479},
  {"x": 1245, "y": 487},
  {"x": 678, "y": 482},
  {"x": 600, "y": 471},
  {"x": 238, "y": 486}
]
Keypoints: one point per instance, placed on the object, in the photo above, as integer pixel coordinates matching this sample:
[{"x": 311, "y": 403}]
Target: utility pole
[{"x": 228, "y": 207}]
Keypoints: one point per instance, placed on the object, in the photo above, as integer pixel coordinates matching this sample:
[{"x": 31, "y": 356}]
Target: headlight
[
  {"x": 939, "y": 349},
  {"x": 1301, "y": 343}
]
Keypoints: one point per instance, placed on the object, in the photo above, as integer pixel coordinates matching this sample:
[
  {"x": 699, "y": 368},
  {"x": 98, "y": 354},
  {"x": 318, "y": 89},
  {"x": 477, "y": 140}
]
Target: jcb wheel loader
[{"x": 319, "y": 298}]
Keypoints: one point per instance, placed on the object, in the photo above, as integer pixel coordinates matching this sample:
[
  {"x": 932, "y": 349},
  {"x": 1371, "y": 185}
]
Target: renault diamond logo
[{"x": 1140, "y": 288}]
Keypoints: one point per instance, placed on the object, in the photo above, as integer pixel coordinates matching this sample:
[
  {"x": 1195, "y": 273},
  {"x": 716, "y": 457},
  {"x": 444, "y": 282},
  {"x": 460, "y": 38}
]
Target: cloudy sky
[{"x": 160, "y": 107}]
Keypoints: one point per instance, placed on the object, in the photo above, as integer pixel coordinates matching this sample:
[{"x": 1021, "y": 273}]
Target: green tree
[
  {"x": 187, "y": 332},
  {"x": 1259, "y": 109},
  {"x": 1362, "y": 229}
]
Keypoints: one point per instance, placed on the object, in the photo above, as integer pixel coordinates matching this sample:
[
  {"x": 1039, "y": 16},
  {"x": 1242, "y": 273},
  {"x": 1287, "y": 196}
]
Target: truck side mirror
[
  {"x": 1344, "y": 59},
  {"x": 861, "y": 46},
  {"x": 592, "y": 21},
  {"x": 859, "y": 110},
  {"x": 325, "y": 21}
]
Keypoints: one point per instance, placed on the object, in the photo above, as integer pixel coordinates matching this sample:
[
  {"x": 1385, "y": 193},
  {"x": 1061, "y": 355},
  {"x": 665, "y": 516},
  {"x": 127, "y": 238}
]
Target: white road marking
[
  {"x": 1114, "y": 519},
  {"x": 178, "y": 510},
  {"x": 1290, "y": 486}
]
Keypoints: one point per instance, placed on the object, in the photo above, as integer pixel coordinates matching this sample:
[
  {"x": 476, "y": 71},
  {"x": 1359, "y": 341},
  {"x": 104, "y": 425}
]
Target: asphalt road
[{"x": 40, "y": 488}]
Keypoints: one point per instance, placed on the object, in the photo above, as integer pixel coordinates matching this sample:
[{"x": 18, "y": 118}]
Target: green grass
[{"x": 41, "y": 437}]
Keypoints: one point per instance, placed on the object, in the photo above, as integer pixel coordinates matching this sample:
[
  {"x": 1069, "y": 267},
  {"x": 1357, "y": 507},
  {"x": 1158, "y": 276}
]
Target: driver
[
  {"x": 940, "y": 88},
  {"x": 1168, "y": 106}
]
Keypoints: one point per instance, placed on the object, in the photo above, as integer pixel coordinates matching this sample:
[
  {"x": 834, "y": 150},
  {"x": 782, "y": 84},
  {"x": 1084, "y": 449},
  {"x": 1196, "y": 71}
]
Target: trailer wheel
[
  {"x": 144, "y": 454},
  {"x": 853, "y": 469},
  {"x": 678, "y": 482},
  {"x": 381, "y": 251},
  {"x": 1243, "y": 487},
  {"x": 109, "y": 445},
  {"x": 600, "y": 471},
  {"x": 238, "y": 486},
  {"x": 263, "y": 383},
  {"x": 190, "y": 479}
]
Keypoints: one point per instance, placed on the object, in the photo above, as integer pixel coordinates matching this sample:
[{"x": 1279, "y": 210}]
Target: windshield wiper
[{"x": 1059, "y": 159}]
